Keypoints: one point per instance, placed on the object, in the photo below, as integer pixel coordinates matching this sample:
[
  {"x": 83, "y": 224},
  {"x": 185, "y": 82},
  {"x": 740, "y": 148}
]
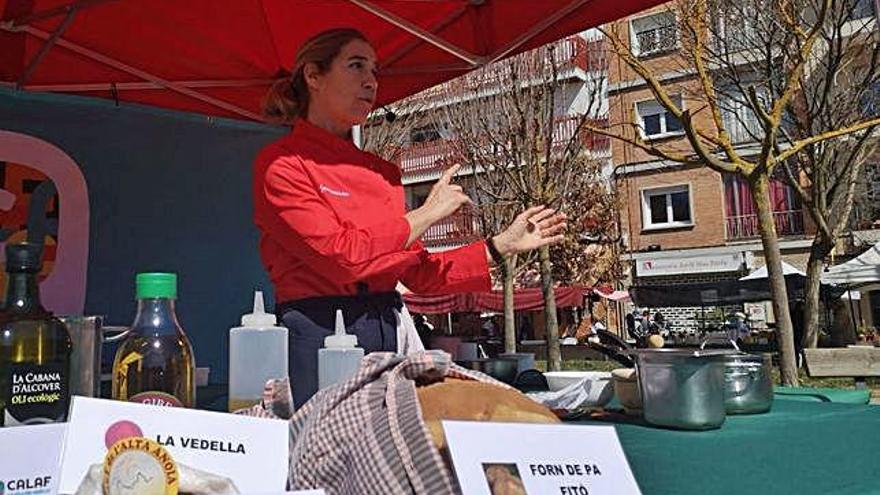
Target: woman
[{"x": 334, "y": 230}]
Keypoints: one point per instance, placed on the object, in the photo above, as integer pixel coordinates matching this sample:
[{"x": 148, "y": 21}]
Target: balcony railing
[
  {"x": 459, "y": 229},
  {"x": 569, "y": 53},
  {"x": 566, "y": 127},
  {"x": 426, "y": 158},
  {"x": 429, "y": 158},
  {"x": 788, "y": 223},
  {"x": 657, "y": 40}
]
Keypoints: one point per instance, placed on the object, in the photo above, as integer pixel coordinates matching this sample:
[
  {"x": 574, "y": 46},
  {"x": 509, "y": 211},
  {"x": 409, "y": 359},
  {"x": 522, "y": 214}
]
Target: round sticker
[{"x": 139, "y": 466}]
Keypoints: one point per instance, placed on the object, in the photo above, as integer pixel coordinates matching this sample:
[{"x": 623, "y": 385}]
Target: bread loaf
[{"x": 468, "y": 400}]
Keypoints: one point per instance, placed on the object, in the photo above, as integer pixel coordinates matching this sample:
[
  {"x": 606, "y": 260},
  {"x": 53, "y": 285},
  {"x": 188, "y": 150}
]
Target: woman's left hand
[{"x": 534, "y": 228}]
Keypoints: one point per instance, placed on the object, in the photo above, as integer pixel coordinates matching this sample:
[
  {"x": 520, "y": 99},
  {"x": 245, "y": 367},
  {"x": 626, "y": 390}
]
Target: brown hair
[{"x": 288, "y": 98}]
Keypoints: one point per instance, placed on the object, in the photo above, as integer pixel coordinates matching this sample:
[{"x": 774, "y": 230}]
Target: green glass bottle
[{"x": 34, "y": 347}]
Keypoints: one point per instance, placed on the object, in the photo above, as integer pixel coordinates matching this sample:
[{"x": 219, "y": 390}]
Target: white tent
[
  {"x": 859, "y": 271},
  {"x": 762, "y": 272}
]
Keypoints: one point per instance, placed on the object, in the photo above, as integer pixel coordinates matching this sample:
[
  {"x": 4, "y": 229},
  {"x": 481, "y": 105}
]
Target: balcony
[
  {"x": 569, "y": 54},
  {"x": 596, "y": 143},
  {"x": 457, "y": 230},
  {"x": 743, "y": 227},
  {"x": 657, "y": 40},
  {"x": 425, "y": 161}
]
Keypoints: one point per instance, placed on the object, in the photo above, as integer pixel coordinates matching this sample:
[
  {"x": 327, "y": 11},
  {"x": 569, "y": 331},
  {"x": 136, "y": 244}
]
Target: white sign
[
  {"x": 30, "y": 459},
  {"x": 252, "y": 452},
  {"x": 556, "y": 459},
  {"x": 680, "y": 265}
]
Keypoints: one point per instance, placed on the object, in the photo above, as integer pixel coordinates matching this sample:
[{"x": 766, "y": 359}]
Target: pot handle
[{"x": 718, "y": 339}]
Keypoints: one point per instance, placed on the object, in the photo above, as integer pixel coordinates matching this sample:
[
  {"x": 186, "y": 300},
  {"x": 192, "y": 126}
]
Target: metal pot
[
  {"x": 501, "y": 369},
  {"x": 681, "y": 388},
  {"x": 748, "y": 386}
]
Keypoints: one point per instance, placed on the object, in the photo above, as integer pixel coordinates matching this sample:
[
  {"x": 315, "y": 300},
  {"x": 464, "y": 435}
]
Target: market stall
[{"x": 216, "y": 59}]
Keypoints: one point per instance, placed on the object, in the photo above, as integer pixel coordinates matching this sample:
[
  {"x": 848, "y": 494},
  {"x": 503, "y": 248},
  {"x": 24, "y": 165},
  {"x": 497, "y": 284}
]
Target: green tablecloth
[
  {"x": 820, "y": 394},
  {"x": 798, "y": 448}
]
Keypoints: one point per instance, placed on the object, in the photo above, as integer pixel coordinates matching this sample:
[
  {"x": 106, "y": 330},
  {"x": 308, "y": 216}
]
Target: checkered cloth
[{"x": 366, "y": 435}]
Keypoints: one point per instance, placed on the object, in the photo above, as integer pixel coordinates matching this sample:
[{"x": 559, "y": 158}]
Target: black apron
[{"x": 372, "y": 317}]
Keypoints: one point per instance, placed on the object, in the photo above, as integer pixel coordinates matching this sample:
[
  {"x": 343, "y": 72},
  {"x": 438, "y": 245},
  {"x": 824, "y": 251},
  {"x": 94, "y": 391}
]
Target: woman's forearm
[{"x": 419, "y": 221}]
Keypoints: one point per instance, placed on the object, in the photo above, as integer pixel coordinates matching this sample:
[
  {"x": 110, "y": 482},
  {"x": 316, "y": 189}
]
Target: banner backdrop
[{"x": 114, "y": 190}]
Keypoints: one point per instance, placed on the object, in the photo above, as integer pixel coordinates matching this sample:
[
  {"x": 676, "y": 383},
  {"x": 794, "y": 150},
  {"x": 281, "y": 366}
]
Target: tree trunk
[
  {"x": 818, "y": 251},
  {"x": 509, "y": 321},
  {"x": 778, "y": 291},
  {"x": 554, "y": 353}
]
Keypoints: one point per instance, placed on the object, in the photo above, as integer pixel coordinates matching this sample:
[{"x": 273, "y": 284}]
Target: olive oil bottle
[
  {"x": 34, "y": 347},
  {"x": 155, "y": 363}
]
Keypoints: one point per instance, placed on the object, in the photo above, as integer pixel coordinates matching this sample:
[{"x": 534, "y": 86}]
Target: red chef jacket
[{"x": 331, "y": 216}]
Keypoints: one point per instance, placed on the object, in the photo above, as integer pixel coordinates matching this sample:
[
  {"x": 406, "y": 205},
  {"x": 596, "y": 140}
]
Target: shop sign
[
  {"x": 251, "y": 452},
  {"x": 683, "y": 265},
  {"x": 490, "y": 458}
]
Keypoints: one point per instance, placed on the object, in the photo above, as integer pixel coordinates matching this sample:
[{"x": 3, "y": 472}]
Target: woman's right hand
[{"x": 444, "y": 200}]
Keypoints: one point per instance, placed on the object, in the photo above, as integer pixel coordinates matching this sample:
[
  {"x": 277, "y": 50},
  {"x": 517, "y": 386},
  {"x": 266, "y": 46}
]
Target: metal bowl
[{"x": 501, "y": 369}]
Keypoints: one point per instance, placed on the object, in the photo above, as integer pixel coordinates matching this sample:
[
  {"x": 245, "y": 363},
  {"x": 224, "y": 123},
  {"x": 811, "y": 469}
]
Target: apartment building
[
  {"x": 687, "y": 224},
  {"x": 429, "y": 149}
]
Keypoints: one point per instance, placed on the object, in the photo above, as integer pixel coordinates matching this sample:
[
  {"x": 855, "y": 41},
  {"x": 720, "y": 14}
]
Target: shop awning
[
  {"x": 478, "y": 302},
  {"x": 723, "y": 293},
  {"x": 218, "y": 57},
  {"x": 859, "y": 271}
]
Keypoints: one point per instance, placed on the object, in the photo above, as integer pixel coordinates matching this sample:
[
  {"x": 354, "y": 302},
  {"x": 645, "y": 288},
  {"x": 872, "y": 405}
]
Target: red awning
[
  {"x": 477, "y": 302},
  {"x": 218, "y": 57},
  {"x": 611, "y": 294}
]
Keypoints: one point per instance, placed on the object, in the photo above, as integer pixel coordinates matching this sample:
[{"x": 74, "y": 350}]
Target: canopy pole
[
  {"x": 55, "y": 11},
  {"x": 116, "y": 64},
  {"x": 415, "y": 30},
  {"x": 35, "y": 62},
  {"x": 415, "y": 44},
  {"x": 88, "y": 87},
  {"x": 537, "y": 29}
]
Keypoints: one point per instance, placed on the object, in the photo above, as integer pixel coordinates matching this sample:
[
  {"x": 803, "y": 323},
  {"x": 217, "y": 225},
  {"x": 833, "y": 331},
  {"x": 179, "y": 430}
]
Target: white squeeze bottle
[
  {"x": 257, "y": 353},
  {"x": 340, "y": 358}
]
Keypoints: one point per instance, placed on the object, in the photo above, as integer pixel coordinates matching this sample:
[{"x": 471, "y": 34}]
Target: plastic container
[
  {"x": 257, "y": 353},
  {"x": 340, "y": 358}
]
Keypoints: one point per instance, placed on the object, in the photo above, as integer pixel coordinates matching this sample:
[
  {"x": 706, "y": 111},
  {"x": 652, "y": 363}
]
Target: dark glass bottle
[
  {"x": 155, "y": 363},
  {"x": 34, "y": 347}
]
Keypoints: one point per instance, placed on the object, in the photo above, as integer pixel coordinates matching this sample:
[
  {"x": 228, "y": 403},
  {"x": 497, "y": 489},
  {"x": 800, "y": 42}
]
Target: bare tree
[
  {"x": 839, "y": 90},
  {"x": 515, "y": 127},
  {"x": 725, "y": 68},
  {"x": 388, "y": 129}
]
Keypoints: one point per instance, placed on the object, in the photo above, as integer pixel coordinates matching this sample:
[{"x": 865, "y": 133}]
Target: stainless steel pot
[
  {"x": 681, "y": 388},
  {"x": 748, "y": 386},
  {"x": 501, "y": 369}
]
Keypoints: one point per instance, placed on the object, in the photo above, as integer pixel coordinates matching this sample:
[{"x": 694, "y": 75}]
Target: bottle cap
[
  {"x": 24, "y": 257},
  {"x": 340, "y": 339},
  {"x": 156, "y": 285},
  {"x": 259, "y": 318}
]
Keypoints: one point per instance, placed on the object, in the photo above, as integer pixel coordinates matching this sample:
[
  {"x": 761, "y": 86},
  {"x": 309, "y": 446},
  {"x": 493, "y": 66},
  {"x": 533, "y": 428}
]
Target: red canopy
[
  {"x": 473, "y": 302},
  {"x": 218, "y": 57}
]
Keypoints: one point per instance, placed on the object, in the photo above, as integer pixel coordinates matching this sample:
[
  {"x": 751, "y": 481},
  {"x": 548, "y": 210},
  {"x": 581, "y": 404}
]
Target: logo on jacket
[{"x": 334, "y": 192}]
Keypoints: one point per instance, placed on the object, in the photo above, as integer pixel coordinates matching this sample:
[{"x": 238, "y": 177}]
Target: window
[
  {"x": 666, "y": 207},
  {"x": 869, "y": 101},
  {"x": 428, "y": 133},
  {"x": 740, "y": 119},
  {"x": 653, "y": 34},
  {"x": 655, "y": 121},
  {"x": 734, "y": 31}
]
